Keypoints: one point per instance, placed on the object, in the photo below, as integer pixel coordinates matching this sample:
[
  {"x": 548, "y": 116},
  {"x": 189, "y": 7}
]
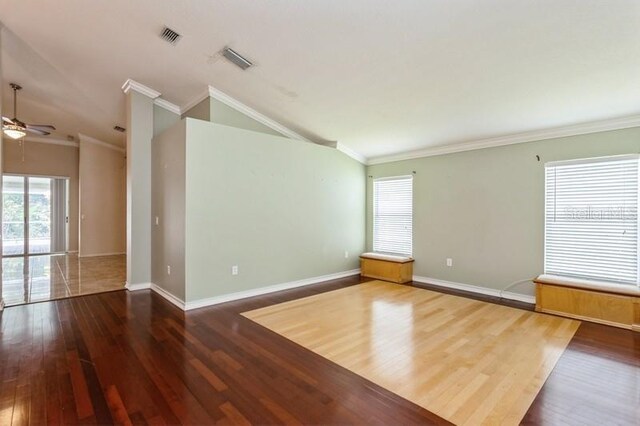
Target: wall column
[{"x": 139, "y": 134}]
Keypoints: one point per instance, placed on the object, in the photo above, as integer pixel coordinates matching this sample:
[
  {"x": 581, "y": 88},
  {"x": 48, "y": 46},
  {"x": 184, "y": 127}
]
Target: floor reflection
[
  {"x": 28, "y": 279},
  {"x": 392, "y": 338}
]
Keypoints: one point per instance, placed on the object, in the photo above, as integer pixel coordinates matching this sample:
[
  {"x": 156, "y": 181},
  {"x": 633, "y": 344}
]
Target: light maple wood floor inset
[{"x": 467, "y": 361}]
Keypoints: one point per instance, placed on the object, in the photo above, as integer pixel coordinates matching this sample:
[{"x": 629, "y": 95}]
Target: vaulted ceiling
[{"x": 380, "y": 77}]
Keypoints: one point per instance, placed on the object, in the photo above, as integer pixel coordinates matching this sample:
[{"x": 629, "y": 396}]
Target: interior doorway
[{"x": 35, "y": 215}]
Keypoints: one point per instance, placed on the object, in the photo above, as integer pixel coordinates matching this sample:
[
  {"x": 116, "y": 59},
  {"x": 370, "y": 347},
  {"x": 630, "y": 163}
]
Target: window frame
[
  {"x": 594, "y": 160},
  {"x": 410, "y": 178}
]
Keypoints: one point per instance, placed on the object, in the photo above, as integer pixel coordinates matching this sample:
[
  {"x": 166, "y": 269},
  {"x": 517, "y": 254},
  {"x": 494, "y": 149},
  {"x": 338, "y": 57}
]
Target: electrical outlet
[
  {"x": 157, "y": 220},
  {"x": 449, "y": 261},
  {"x": 234, "y": 270},
  {"x": 346, "y": 254},
  {"x": 168, "y": 269}
]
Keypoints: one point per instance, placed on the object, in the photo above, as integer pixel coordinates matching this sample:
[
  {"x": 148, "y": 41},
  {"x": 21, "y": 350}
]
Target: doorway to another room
[{"x": 36, "y": 262}]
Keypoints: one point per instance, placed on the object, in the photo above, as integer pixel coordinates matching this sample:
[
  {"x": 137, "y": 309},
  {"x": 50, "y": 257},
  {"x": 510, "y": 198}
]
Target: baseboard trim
[
  {"x": 136, "y": 287},
  {"x": 168, "y": 296},
  {"x": 102, "y": 254},
  {"x": 157, "y": 289},
  {"x": 201, "y": 303},
  {"x": 475, "y": 289}
]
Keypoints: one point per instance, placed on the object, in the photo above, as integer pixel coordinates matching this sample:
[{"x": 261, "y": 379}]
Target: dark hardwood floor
[{"x": 125, "y": 357}]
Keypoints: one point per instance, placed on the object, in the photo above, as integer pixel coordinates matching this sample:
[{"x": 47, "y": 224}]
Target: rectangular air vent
[
  {"x": 235, "y": 57},
  {"x": 119, "y": 129},
  {"x": 170, "y": 36}
]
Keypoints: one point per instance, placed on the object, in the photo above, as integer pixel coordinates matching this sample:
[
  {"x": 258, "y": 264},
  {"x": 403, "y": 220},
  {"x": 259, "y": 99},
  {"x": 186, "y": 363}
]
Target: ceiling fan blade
[
  {"x": 41, "y": 126},
  {"x": 37, "y": 131},
  {"x": 7, "y": 120}
]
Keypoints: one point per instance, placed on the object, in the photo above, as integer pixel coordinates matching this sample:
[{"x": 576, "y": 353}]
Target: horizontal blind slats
[
  {"x": 591, "y": 225},
  {"x": 393, "y": 215}
]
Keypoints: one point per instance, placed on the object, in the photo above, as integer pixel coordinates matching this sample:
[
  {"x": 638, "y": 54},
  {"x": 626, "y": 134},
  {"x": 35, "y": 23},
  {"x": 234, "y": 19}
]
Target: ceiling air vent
[
  {"x": 119, "y": 129},
  {"x": 170, "y": 36},
  {"x": 235, "y": 57}
]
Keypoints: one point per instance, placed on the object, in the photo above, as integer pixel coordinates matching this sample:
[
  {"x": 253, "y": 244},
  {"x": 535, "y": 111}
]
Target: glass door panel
[
  {"x": 39, "y": 215},
  {"x": 13, "y": 215}
]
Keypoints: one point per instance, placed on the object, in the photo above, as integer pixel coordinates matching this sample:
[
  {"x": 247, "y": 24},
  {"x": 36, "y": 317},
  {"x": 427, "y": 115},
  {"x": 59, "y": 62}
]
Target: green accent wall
[
  {"x": 282, "y": 210},
  {"x": 163, "y": 119},
  {"x": 213, "y": 110},
  {"x": 485, "y": 208}
]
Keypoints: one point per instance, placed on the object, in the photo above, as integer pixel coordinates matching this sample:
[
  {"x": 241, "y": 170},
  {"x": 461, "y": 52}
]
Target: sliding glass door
[
  {"x": 13, "y": 215},
  {"x": 34, "y": 218}
]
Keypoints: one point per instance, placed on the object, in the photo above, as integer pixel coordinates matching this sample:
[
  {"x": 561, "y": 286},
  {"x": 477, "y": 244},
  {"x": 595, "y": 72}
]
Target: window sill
[{"x": 601, "y": 286}]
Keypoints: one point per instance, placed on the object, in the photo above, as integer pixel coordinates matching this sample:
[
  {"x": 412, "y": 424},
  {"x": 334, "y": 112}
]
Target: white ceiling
[{"x": 380, "y": 77}]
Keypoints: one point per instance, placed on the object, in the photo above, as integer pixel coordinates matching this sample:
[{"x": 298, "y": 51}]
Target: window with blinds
[
  {"x": 591, "y": 219},
  {"x": 393, "y": 215}
]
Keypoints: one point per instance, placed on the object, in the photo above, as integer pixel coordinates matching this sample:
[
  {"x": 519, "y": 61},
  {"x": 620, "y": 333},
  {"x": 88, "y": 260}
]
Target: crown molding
[
  {"x": 52, "y": 141},
  {"x": 219, "y": 95},
  {"x": 140, "y": 88},
  {"x": 351, "y": 153},
  {"x": 346, "y": 150},
  {"x": 89, "y": 139},
  {"x": 163, "y": 103},
  {"x": 532, "y": 136},
  {"x": 250, "y": 112}
]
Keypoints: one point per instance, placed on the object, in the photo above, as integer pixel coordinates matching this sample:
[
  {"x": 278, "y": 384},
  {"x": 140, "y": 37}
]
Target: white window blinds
[
  {"x": 393, "y": 215},
  {"x": 591, "y": 219}
]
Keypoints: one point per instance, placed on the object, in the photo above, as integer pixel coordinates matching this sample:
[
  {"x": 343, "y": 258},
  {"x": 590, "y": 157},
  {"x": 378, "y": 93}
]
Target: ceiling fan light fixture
[{"x": 14, "y": 132}]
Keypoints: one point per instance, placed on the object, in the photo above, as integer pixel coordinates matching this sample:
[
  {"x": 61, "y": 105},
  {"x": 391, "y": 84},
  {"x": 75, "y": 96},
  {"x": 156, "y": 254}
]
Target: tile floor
[{"x": 28, "y": 279}]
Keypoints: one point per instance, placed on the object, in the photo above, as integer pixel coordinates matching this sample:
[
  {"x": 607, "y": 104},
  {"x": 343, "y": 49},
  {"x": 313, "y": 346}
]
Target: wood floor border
[{"x": 109, "y": 357}]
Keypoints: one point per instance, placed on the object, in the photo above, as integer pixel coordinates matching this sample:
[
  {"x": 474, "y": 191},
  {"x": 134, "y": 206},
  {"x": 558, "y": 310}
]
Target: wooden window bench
[
  {"x": 605, "y": 303},
  {"x": 387, "y": 267}
]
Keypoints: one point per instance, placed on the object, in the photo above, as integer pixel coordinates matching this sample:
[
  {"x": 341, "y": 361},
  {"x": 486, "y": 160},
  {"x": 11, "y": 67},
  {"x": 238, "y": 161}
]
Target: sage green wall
[
  {"x": 224, "y": 114},
  {"x": 163, "y": 119},
  {"x": 139, "y": 135},
  {"x": 215, "y": 111},
  {"x": 168, "y": 205},
  {"x": 484, "y": 208},
  {"x": 282, "y": 210}
]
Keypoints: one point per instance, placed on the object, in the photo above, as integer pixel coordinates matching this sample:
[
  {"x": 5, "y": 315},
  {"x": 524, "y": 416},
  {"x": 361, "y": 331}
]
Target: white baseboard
[
  {"x": 168, "y": 296},
  {"x": 102, "y": 254},
  {"x": 269, "y": 289},
  {"x": 475, "y": 289},
  {"x": 136, "y": 287}
]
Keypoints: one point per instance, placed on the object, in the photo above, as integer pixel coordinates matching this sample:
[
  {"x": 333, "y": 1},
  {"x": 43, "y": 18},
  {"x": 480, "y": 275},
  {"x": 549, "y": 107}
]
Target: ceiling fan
[{"x": 16, "y": 129}]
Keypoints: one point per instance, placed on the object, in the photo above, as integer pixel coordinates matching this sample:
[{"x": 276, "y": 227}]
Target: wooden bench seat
[
  {"x": 387, "y": 267},
  {"x": 605, "y": 303}
]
